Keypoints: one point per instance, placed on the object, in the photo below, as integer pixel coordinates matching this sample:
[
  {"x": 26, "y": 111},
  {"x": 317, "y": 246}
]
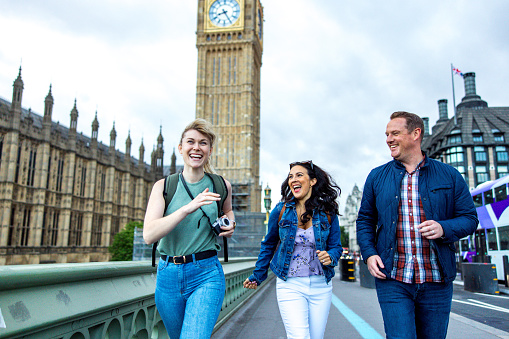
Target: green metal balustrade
[{"x": 96, "y": 300}]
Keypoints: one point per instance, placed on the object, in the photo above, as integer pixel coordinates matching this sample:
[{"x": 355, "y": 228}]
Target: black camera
[{"x": 216, "y": 226}]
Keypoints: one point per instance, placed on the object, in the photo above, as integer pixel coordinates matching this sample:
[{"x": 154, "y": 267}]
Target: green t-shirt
[{"x": 187, "y": 237}]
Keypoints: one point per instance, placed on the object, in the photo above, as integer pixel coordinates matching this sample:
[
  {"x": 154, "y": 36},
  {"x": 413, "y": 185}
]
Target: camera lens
[{"x": 226, "y": 221}]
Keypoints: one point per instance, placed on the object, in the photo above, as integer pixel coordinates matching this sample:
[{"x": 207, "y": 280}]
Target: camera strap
[
  {"x": 192, "y": 198},
  {"x": 225, "y": 243}
]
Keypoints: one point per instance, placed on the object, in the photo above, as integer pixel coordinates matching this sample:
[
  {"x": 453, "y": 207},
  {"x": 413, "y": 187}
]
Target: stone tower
[{"x": 230, "y": 45}]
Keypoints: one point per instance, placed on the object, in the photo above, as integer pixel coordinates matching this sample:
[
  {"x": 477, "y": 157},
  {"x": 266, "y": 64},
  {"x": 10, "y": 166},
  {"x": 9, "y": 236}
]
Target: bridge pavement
[{"x": 355, "y": 313}]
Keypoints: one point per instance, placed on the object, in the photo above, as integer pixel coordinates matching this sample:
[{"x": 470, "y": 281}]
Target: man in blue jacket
[{"x": 413, "y": 209}]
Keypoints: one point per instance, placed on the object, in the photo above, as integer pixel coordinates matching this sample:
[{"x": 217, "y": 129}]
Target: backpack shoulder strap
[
  {"x": 170, "y": 187},
  {"x": 220, "y": 188},
  {"x": 281, "y": 213}
]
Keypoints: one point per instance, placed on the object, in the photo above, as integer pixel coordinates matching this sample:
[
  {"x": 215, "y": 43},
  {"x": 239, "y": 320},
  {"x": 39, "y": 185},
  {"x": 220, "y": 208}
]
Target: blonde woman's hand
[
  {"x": 202, "y": 199},
  {"x": 227, "y": 231},
  {"x": 250, "y": 284}
]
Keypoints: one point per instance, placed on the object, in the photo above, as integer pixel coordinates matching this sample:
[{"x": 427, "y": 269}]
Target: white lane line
[
  {"x": 495, "y": 307},
  {"x": 491, "y": 307}
]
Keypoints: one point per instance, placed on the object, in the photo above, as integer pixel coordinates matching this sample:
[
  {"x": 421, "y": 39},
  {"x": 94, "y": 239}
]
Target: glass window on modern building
[
  {"x": 502, "y": 155},
  {"x": 481, "y": 175},
  {"x": 454, "y": 139},
  {"x": 477, "y": 138},
  {"x": 454, "y": 156},
  {"x": 479, "y": 154},
  {"x": 497, "y": 135},
  {"x": 502, "y": 171}
]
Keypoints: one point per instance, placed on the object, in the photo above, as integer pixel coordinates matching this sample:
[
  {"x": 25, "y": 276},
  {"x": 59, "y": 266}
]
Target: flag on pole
[{"x": 457, "y": 71}]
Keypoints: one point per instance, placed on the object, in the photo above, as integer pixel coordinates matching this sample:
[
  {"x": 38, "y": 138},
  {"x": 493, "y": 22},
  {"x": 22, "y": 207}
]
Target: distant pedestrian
[
  {"x": 413, "y": 209},
  {"x": 190, "y": 280},
  {"x": 302, "y": 246}
]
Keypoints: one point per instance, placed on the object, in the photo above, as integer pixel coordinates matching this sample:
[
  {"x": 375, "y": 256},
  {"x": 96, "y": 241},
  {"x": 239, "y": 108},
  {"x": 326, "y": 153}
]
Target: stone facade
[
  {"x": 63, "y": 196},
  {"x": 474, "y": 141},
  {"x": 228, "y": 95}
]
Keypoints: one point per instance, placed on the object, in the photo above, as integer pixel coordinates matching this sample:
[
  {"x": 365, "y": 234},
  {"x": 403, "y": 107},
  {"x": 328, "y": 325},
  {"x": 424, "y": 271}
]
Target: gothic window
[
  {"x": 60, "y": 172},
  {"x": 49, "y": 172},
  {"x": 228, "y": 119},
  {"x": 217, "y": 113},
  {"x": 52, "y": 236},
  {"x": 119, "y": 189},
  {"x": 233, "y": 111},
  {"x": 11, "y": 236},
  {"x": 219, "y": 71},
  {"x": 227, "y": 153},
  {"x": 44, "y": 230},
  {"x": 133, "y": 192},
  {"x": 83, "y": 181},
  {"x": 18, "y": 164},
  {"x": 31, "y": 167},
  {"x": 213, "y": 71},
  {"x": 229, "y": 69},
  {"x": 233, "y": 153},
  {"x": 25, "y": 228},
  {"x": 1, "y": 147},
  {"x": 96, "y": 230},
  {"x": 234, "y": 70},
  {"x": 212, "y": 111},
  {"x": 102, "y": 184},
  {"x": 75, "y": 229},
  {"x": 115, "y": 227}
]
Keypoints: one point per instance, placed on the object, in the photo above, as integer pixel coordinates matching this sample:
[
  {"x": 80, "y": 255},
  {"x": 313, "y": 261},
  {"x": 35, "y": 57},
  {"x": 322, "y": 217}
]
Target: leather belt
[{"x": 183, "y": 259}]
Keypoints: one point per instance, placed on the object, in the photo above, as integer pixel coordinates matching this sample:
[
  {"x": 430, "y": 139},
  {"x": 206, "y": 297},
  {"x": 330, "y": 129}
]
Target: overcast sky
[{"x": 332, "y": 71}]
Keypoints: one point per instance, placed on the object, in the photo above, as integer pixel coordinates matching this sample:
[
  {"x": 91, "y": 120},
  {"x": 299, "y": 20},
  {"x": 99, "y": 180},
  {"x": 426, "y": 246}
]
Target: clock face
[{"x": 224, "y": 13}]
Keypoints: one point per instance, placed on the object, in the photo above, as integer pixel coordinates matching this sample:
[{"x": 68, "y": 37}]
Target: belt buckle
[{"x": 179, "y": 263}]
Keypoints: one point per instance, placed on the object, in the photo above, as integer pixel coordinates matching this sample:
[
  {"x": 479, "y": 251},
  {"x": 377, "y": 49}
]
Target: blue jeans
[
  {"x": 189, "y": 297},
  {"x": 414, "y": 310}
]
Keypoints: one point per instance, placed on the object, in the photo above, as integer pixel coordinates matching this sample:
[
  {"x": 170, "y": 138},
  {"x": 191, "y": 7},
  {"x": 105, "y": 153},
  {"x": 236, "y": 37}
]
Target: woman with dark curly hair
[{"x": 302, "y": 246}]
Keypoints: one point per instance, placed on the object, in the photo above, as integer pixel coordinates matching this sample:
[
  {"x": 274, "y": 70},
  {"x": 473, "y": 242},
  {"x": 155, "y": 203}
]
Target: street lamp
[
  {"x": 267, "y": 199},
  {"x": 267, "y": 202}
]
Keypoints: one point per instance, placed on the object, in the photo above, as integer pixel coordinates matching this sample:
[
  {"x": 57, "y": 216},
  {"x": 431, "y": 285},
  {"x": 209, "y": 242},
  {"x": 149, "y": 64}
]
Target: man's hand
[
  {"x": 374, "y": 265},
  {"x": 430, "y": 229}
]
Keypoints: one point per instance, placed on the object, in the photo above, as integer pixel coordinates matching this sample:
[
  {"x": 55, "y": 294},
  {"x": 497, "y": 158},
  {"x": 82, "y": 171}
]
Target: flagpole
[{"x": 453, "y": 96}]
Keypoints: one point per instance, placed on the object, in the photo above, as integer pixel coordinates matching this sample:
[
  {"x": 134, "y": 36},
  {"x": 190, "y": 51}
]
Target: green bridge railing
[{"x": 96, "y": 300}]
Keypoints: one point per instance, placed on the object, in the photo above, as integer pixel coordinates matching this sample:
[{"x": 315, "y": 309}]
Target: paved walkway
[{"x": 355, "y": 313}]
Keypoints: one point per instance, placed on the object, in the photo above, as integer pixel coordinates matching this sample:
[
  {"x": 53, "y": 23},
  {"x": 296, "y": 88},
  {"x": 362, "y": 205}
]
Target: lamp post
[{"x": 267, "y": 202}]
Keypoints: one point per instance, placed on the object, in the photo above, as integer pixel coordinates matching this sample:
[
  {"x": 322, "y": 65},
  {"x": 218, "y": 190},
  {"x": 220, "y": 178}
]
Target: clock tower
[{"x": 230, "y": 45}]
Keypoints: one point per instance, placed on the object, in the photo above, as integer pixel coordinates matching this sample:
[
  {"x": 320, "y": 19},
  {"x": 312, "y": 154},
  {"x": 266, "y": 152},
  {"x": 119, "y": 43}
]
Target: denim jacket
[
  {"x": 277, "y": 246},
  {"x": 445, "y": 198}
]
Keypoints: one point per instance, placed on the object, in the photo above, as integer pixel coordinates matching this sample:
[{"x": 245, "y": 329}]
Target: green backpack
[{"x": 170, "y": 187}]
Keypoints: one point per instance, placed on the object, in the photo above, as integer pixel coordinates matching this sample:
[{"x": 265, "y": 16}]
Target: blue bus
[{"x": 491, "y": 239}]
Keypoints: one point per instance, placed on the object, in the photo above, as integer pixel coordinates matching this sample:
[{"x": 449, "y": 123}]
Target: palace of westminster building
[{"x": 64, "y": 195}]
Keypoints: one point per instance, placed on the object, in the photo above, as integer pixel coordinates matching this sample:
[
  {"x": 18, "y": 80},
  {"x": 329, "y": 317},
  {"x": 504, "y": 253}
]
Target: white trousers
[{"x": 304, "y": 304}]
